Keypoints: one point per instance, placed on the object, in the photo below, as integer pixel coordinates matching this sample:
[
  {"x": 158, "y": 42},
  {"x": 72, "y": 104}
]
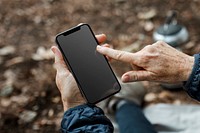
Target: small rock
[
  {"x": 5, "y": 102},
  {"x": 147, "y": 15},
  {"x": 46, "y": 122},
  {"x": 20, "y": 99},
  {"x": 36, "y": 127},
  {"x": 141, "y": 37},
  {"x": 55, "y": 99},
  {"x": 177, "y": 102},
  {"x": 190, "y": 45},
  {"x": 6, "y": 90},
  {"x": 35, "y": 108},
  {"x": 43, "y": 94},
  {"x": 51, "y": 113},
  {"x": 150, "y": 97},
  {"x": 27, "y": 116},
  {"x": 148, "y": 26},
  {"x": 7, "y": 50},
  {"x": 10, "y": 77},
  {"x": 164, "y": 95},
  {"x": 37, "y": 19}
]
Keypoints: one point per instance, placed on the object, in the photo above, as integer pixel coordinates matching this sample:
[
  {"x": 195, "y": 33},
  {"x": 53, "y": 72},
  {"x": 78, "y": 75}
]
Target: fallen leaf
[
  {"x": 190, "y": 45},
  {"x": 7, "y": 50},
  {"x": 5, "y": 102},
  {"x": 14, "y": 61},
  {"x": 6, "y": 90},
  {"x": 10, "y": 76},
  {"x": 55, "y": 99},
  {"x": 147, "y": 15},
  {"x": 37, "y": 19},
  {"x": 164, "y": 95},
  {"x": 51, "y": 113},
  {"x": 20, "y": 99},
  {"x": 42, "y": 54},
  {"x": 149, "y": 97},
  {"x": 27, "y": 116}
]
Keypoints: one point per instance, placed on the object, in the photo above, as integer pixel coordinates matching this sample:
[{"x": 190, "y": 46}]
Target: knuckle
[
  {"x": 153, "y": 77},
  {"x": 159, "y": 43},
  {"x": 149, "y": 49},
  {"x": 151, "y": 52},
  {"x": 61, "y": 74},
  {"x": 144, "y": 59},
  {"x": 147, "y": 57},
  {"x": 134, "y": 77},
  {"x": 120, "y": 55}
]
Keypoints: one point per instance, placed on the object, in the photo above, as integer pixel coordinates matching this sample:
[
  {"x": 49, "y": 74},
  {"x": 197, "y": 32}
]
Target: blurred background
[{"x": 29, "y": 99}]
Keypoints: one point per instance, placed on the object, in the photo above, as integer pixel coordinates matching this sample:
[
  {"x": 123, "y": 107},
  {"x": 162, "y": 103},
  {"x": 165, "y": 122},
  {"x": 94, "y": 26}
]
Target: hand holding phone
[
  {"x": 66, "y": 83},
  {"x": 90, "y": 69}
]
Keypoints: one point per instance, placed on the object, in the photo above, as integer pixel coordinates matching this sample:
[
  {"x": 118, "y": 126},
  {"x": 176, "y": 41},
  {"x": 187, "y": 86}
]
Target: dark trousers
[{"x": 131, "y": 119}]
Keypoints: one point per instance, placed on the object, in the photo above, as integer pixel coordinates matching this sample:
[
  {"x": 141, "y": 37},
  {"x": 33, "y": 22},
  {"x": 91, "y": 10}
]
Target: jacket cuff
[
  {"x": 192, "y": 86},
  {"x": 85, "y": 118}
]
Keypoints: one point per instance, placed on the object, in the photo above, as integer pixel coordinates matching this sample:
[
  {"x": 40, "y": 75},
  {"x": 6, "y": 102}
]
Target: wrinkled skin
[{"x": 157, "y": 62}]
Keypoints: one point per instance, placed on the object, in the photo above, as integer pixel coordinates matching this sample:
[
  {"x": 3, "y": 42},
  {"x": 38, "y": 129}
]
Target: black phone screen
[{"x": 90, "y": 69}]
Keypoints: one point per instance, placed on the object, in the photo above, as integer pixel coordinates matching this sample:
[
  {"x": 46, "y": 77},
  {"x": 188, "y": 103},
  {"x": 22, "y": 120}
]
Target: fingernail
[
  {"x": 125, "y": 78},
  {"x": 99, "y": 48},
  {"x": 53, "y": 50},
  {"x": 100, "y": 34}
]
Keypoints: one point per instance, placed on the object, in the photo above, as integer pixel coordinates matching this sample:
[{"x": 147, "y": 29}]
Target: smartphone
[{"x": 90, "y": 69}]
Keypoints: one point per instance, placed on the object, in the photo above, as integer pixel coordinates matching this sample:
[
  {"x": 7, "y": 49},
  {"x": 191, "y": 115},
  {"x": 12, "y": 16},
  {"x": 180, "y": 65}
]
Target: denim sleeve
[
  {"x": 192, "y": 86},
  {"x": 86, "y": 118}
]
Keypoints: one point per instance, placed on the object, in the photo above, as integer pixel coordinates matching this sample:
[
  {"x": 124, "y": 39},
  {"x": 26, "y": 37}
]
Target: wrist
[
  {"x": 67, "y": 105},
  {"x": 188, "y": 65}
]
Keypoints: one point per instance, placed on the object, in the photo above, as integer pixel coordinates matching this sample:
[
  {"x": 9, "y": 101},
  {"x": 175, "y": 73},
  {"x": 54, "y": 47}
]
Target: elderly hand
[
  {"x": 66, "y": 83},
  {"x": 157, "y": 62}
]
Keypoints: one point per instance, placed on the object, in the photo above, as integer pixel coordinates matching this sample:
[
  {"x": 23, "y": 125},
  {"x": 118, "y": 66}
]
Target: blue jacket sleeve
[
  {"x": 86, "y": 118},
  {"x": 192, "y": 86}
]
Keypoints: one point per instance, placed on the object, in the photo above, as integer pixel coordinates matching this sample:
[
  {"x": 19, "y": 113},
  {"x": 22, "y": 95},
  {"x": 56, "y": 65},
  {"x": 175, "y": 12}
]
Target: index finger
[{"x": 116, "y": 54}]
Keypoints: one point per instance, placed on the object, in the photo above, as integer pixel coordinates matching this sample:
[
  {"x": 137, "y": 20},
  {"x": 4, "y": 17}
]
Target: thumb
[
  {"x": 59, "y": 62},
  {"x": 139, "y": 75},
  {"x": 58, "y": 55}
]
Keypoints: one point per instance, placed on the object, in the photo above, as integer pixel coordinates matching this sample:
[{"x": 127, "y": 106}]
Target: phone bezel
[{"x": 72, "y": 30}]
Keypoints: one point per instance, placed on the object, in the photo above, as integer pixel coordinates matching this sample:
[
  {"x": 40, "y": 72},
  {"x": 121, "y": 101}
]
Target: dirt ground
[{"x": 29, "y": 99}]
